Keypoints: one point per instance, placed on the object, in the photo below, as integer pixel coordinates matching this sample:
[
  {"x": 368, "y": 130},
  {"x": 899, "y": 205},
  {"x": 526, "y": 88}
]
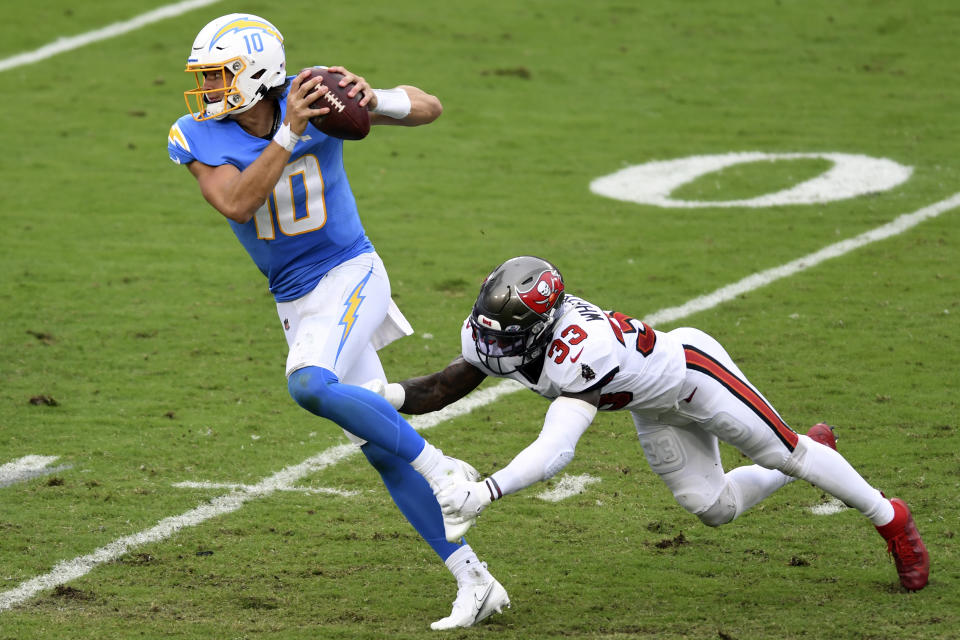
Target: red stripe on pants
[{"x": 703, "y": 363}]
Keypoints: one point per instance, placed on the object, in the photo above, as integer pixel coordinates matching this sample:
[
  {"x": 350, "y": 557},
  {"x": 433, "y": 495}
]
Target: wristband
[
  {"x": 493, "y": 488},
  {"x": 286, "y": 138},
  {"x": 393, "y": 103}
]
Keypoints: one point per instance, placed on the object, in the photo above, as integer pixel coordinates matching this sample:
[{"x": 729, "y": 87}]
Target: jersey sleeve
[
  {"x": 588, "y": 363},
  {"x": 212, "y": 142},
  {"x": 177, "y": 145}
]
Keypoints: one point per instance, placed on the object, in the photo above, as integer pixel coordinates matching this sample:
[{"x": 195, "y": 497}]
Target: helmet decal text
[{"x": 245, "y": 23}]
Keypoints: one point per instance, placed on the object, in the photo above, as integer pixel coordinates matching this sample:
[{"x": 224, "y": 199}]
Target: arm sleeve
[{"x": 566, "y": 420}]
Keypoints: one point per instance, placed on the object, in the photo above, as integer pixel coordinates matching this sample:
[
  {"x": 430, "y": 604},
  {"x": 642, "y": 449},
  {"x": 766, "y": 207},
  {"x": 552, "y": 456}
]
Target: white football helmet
[{"x": 247, "y": 52}]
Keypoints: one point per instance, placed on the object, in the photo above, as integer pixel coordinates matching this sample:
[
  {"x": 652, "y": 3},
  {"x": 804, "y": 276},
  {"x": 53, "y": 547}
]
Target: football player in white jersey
[
  {"x": 282, "y": 186},
  {"x": 682, "y": 389}
]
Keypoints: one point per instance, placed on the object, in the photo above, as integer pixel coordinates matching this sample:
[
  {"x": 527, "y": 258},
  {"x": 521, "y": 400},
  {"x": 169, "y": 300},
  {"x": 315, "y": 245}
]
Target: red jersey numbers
[
  {"x": 624, "y": 325},
  {"x": 560, "y": 347}
]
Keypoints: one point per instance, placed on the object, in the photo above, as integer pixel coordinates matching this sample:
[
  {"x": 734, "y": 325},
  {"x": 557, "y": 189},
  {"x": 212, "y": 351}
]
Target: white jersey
[{"x": 633, "y": 366}]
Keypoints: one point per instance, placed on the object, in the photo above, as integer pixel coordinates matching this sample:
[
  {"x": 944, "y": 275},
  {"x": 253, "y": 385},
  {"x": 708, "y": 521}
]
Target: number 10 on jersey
[{"x": 297, "y": 202}]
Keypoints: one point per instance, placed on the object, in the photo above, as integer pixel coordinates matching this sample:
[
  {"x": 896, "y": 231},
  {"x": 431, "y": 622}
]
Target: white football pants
[{"x": 717, "y": 403}]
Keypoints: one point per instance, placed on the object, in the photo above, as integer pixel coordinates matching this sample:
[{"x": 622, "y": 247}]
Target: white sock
[
  {"x": 823, "y": 467},
  {"x": 465, "y": 566},
  {"x": 752, "y": 483},
  {"x": 881, "y": 514},
  {"x": 427, "y": 459}
]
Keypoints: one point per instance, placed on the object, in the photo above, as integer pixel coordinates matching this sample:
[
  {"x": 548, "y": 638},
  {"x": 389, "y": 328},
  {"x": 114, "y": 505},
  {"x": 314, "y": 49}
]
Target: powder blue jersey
[{"x": 310, "y": 222}]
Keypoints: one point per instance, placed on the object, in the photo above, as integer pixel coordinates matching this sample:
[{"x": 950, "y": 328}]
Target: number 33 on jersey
[{"x": 627, "y": 360}]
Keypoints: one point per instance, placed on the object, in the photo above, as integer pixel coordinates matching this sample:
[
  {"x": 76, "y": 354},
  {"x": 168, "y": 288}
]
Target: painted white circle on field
[{"x": 851, "y": 175}]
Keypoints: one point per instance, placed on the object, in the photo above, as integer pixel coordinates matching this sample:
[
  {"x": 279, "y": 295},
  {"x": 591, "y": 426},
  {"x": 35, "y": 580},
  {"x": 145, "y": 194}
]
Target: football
[{"x": 347, "y": 119}]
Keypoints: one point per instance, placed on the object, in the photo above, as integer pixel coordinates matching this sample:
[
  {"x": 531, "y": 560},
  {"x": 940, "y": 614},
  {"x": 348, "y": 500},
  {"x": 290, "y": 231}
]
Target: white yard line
[
  {"x": 252, "y": 488},
  {"x": 280, "y": 481},
  {"x": 62, "y": 45},
  {"x": 763, "y": 278},
  {"x": 28, "y": 467},
  {"x": 72, "y": 569}
]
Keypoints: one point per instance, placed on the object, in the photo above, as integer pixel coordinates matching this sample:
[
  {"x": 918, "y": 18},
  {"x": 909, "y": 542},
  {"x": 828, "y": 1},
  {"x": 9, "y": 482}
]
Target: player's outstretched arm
[
  {"x": 437, "y": 390},
  {"x": 431, "y": 392},
  {"x": 566, "y": 420},
  {"x": 403, "y": 105},
  {"x": 424, "y": 107}
]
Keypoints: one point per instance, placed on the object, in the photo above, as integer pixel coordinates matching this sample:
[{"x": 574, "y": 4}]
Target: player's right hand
[
  {"x": 392, "y": 392},
  {"x": 304, "y": 91}
]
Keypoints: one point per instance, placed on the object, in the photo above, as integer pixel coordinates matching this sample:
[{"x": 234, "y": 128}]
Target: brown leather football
[{"x": 347, "y": 119}]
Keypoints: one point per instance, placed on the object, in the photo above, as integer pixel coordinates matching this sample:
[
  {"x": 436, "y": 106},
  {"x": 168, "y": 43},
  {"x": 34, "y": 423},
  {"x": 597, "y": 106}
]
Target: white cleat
[
  {"x": 451, "y": 472},
  {"x": 475, "y": 602}
]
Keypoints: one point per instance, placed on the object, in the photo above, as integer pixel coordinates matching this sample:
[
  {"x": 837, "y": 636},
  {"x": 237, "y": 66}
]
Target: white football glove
[
  {"x": 392, "y": 392},
  {"x": 464, "y": 501},
  {"x": 376, "y": 385}
]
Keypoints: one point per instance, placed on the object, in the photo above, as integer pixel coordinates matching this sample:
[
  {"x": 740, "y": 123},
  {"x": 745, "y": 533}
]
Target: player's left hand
[
  {"x": 361, "y": 86},
  {"x": 464, "y": 501}
]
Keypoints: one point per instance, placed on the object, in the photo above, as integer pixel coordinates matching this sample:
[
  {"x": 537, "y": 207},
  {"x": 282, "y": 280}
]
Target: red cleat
[
  {"x": 823, "y": 433},
  {"x": 904, "y": 543}
]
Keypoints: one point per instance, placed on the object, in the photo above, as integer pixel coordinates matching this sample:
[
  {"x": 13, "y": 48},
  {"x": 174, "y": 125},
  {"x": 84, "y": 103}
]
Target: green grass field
[{"x": 139, "y": 344}]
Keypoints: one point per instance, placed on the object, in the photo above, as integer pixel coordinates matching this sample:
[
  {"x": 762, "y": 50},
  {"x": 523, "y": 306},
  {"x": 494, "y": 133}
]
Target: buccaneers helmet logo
[{"x": 544, "y": 292}]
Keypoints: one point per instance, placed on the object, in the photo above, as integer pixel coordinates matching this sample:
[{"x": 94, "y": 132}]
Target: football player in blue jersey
[{"x": 281, "y": 184}]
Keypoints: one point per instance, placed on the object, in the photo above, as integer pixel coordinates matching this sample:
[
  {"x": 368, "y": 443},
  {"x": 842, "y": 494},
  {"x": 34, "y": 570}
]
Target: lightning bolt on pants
[{"x": 331, "y": 333}]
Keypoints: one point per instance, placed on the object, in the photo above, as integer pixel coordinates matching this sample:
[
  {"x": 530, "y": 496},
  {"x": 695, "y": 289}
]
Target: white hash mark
[
  {"x": 828, "y": 508},
  {"x": 28, "y": 467},
  {"x": 568, "y": 486}
]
